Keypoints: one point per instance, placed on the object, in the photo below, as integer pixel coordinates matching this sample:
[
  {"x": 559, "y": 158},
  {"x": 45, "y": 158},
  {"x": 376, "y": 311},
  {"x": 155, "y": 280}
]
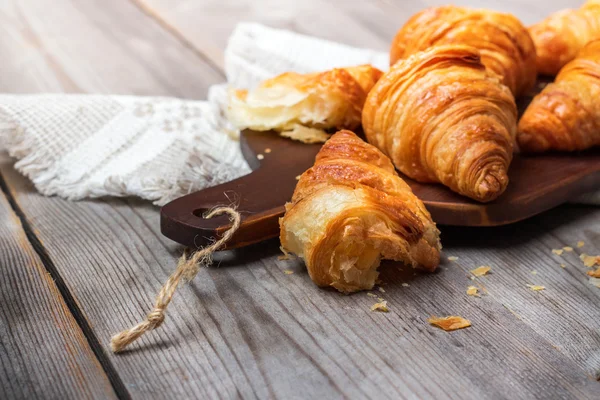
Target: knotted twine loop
[{"x": 186, "y": 270}]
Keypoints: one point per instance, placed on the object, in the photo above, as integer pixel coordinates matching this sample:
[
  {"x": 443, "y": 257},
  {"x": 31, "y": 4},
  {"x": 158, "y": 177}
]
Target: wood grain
[
  {"x": 207, "y": 24},
  {"x": 43, "y": 353},
  {"x": 246, "y": 329},
  {"x": 85, "y": 46}
]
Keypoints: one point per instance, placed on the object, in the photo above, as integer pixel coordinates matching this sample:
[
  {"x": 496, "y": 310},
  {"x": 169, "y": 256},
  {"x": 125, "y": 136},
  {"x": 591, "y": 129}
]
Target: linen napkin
[{"x": 157, "y": 148}]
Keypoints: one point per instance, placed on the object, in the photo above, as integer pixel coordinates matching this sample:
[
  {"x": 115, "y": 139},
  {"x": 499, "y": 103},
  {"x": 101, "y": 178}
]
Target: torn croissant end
[
  {"x": 450, "y": 323},
  {"x": 350, "y": 211},
  {"x": 304, "y": 106}
]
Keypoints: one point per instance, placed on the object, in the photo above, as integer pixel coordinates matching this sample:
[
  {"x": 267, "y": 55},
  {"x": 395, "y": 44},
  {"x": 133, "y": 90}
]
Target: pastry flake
[
  {"x": 381, "y": 307},
  {"x": 442, "y": 117},
  {"x": 450, "y": 323},
  {"x": 595, "y": 273},
  {"x": 350, "y": 211},
  {"x": 305, "y": 135},
  {"x": 589, "y": 261},
  {"x": 481, "y": 271},
  {"x": 536, "y": 288}
]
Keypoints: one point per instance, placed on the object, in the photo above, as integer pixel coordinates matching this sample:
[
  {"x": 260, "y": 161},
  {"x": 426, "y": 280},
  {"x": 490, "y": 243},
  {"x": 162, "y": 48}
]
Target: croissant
[
  {"x": 559, "y": 37},
  {"x": 505, "y": 45},
  {"x": 350, "y": 210},
  {"x": 566, "y": 114},
  {"x": 305, "y": 105},
  {"x": 442, "y": 117}
]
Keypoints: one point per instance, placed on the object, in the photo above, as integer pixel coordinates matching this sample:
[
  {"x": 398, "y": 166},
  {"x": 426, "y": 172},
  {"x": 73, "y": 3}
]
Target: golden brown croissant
[
  {"x": 442, "y": 117},
  {"x": 505, "y": 45},
  {"x": 559, "y": 37},
  {"x": 350, "y": 210},
  {"x": 300, "y": 104},
  {"x": 566, "y": 114}
]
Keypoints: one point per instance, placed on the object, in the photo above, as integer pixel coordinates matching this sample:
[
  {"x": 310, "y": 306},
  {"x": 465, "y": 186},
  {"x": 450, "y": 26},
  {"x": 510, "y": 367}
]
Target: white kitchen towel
[
  {"x": 78, "y": 146},
  {"x": 157, "y": 148}
]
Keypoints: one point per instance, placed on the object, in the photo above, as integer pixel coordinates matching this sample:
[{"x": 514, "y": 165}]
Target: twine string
[{"x": 186, "y": 270}]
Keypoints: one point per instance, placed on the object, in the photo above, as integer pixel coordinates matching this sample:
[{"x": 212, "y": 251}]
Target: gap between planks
[{"x": 94, "y": 343}]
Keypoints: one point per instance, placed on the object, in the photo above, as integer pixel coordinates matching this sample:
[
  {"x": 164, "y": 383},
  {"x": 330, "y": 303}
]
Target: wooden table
[{"x": 74, "y": 273}]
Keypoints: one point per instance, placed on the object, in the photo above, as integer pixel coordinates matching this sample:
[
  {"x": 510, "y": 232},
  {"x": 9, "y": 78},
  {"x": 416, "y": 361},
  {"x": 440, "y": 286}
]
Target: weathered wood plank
[
  {"x": 246, "y": 329},
  {"x": 383, "y": 18},
  {"x": 43, "y": 352},
  {"x": 207, "y": 24},
  {"x": 85, "y": 46}
]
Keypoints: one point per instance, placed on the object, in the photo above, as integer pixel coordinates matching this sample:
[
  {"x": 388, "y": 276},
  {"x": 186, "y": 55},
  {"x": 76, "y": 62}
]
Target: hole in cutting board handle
[
  {"x": 222, "y": 220},
  {"x": 199, "y": 212}
]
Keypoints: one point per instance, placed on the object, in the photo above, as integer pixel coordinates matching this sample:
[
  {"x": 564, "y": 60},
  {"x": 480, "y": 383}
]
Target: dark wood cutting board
[{"x": 537, "y": 183}]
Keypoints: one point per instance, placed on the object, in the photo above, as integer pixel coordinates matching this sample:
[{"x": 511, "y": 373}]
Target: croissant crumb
[
  {"x": 381, "y": 307},
  {"x": 589, "y": 261},
  {"x": 450, "y": 323},
  {"x": 481, "y": 271},
  {"x": 595, "y": 273}
]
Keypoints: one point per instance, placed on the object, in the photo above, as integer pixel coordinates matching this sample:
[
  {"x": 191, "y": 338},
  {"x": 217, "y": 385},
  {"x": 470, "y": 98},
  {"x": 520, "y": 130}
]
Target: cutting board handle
[{"x": 259, "y": 196}]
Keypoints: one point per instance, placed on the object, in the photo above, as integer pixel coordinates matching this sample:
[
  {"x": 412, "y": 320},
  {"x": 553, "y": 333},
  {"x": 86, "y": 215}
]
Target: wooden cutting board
[{"x": 537, "y": 183}]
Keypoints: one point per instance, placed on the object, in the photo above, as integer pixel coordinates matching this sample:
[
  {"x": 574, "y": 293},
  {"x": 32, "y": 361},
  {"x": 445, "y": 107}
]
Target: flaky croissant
[
  {"x": 505, "y": 45},
  {"x": 566, "y": 114},
  {"x": 559, "y": 37},
  {"x": 442, "y": 117},
  {"x": 350, "y": 210},
  {"x": 305, "y": 104}
]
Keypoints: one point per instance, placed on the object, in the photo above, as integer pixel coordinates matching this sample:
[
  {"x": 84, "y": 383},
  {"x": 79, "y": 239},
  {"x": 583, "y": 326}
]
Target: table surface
[{"x": 74, "y": 273}]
